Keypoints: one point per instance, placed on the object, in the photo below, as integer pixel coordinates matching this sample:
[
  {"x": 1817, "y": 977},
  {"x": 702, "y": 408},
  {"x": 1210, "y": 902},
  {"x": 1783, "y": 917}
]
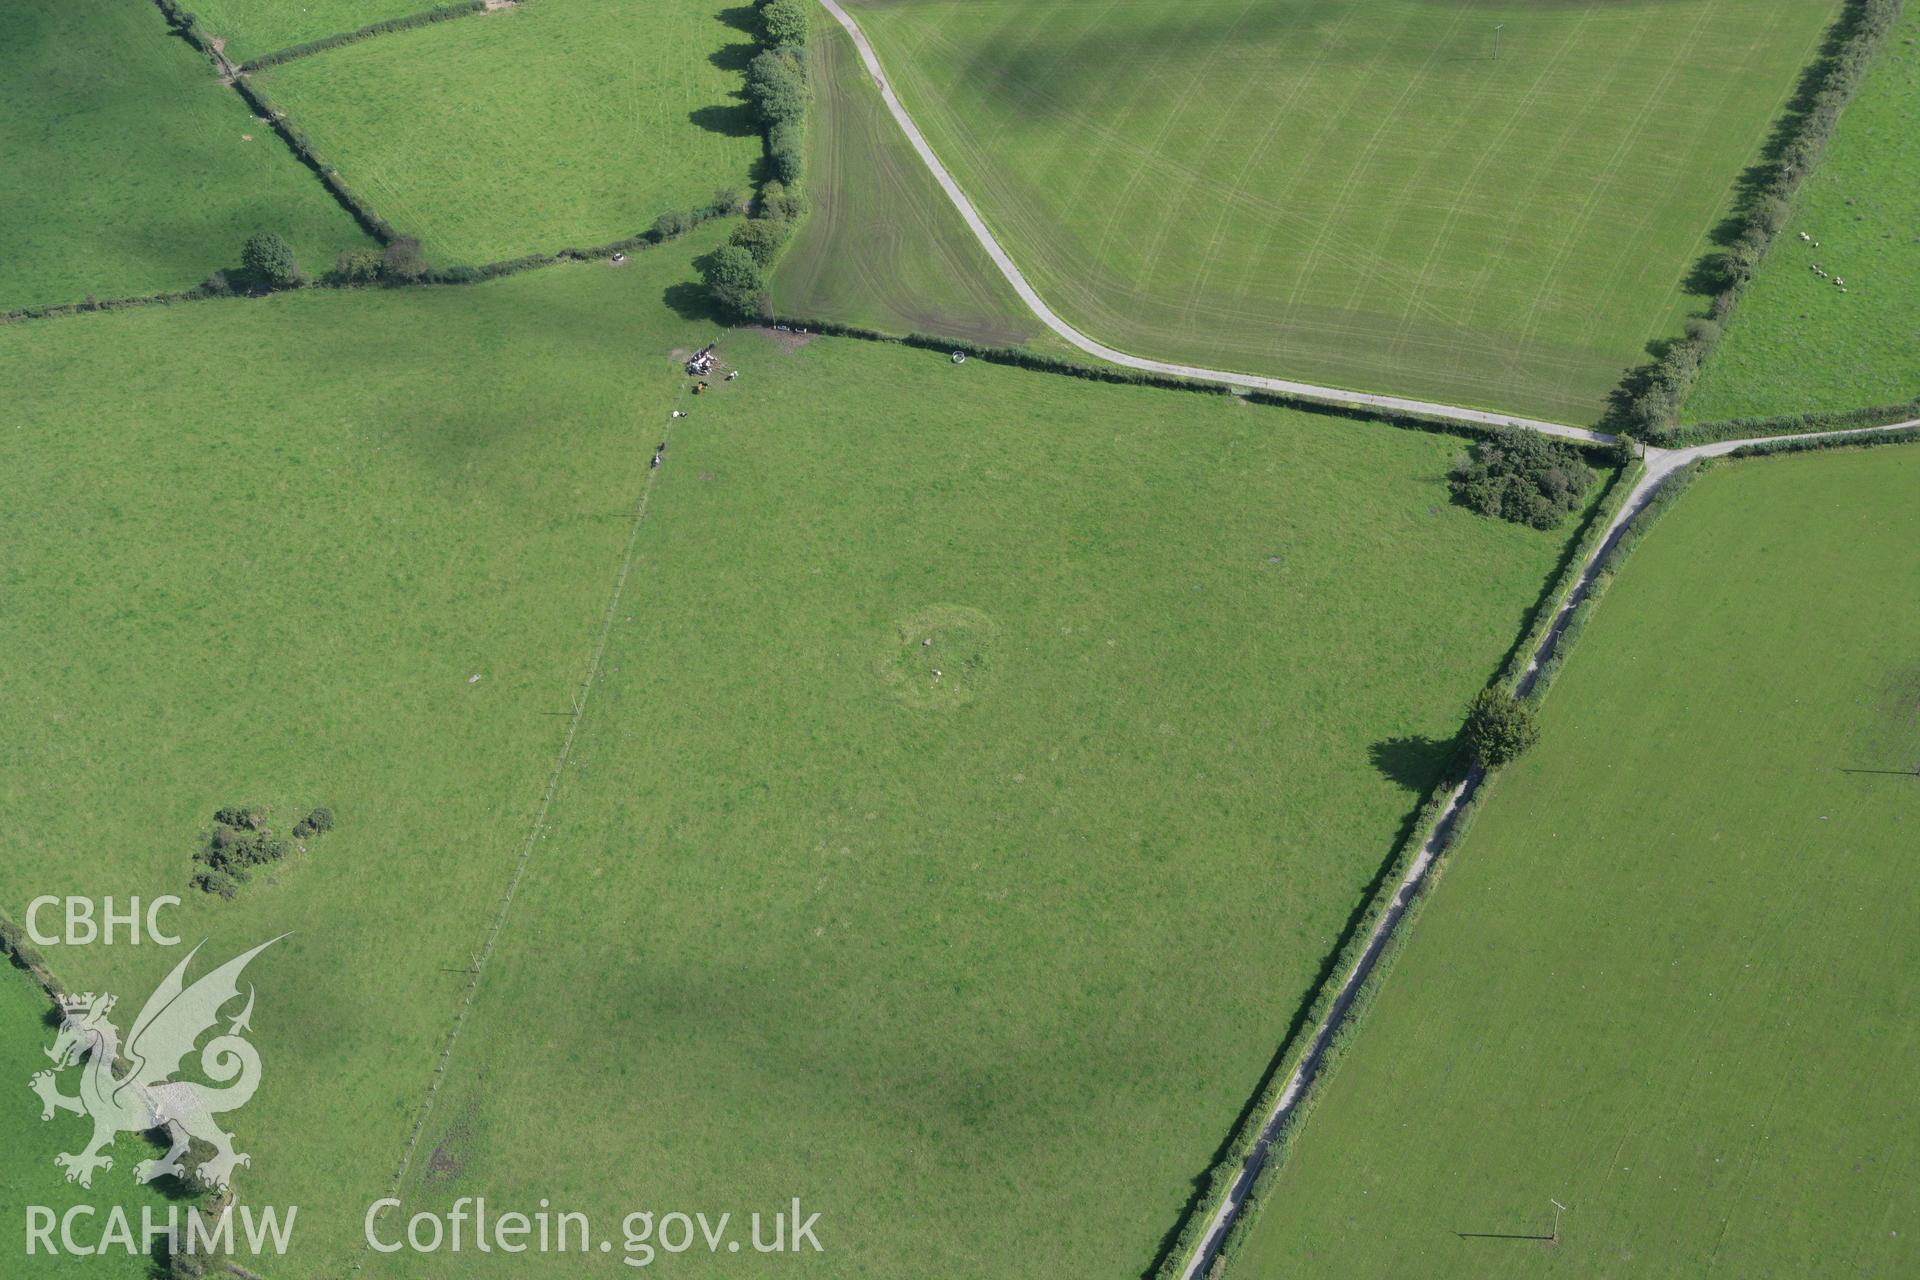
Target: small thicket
[
  {"x": 674, "y": 222},
  {"x": 777, "y": 200},
  {"x": 402, "y": 261},
  {"x": 241, "y": 843},
  {"x": 761, "y": 237},
  {"x": 1523, "y": 476},
  {"x": 735, "y": 280},
  {"x": 777, "y": 85},
  {"x": 316, "y": 823},
  {"x": 269, "y": 260},
  {"x": 357, "y": 266},
  {"x": 783, "y": 23},
  {"x": 1500, "y": 728}
]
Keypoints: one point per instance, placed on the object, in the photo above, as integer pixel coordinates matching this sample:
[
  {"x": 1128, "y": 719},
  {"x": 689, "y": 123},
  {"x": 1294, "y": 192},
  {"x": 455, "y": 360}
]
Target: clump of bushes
[
  {"x": 1523, "y": 476},
  {"x": 241, "y": 843},
  {"x": 735, "y": 280},
  {"x": 777, "y": 200},
  {"x": 1500, "y": 728},
  {"x": 674, "y": 222},
  {"x": 270, "y": 261},
  {"x": 402, "y": 260},
  {"x": 783, "y": 23},
  {"x": 777, "y": 88},
  {"x": 357, "y": 266},
  {"x": 761, "y": 237},
  {"x": 777, "y": 85},
  {"x": 316, "y": 823}
]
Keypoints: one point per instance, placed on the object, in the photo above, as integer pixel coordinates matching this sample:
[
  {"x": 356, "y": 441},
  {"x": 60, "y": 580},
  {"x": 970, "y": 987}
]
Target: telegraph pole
[
  {"x": 1558, "y": 1208},
  {"x": 1496, "y": 40}
]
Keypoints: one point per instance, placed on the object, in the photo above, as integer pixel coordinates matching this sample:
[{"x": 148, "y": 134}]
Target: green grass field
[
  {"x": 881, "y": 245},
  {"x": 250, "y": 28},
  {"x": 1797, "y": 343},
  {"x": 255, "y": 550},
  {"x": 566, "y": 123},
  {"x": 953, "y": 958},
  {"x": 128, "y": 169},
  {"x": 29, "y": 1177},
  {"x": 1666, "y": 979},
  {"x": 1357, "y": 193}
]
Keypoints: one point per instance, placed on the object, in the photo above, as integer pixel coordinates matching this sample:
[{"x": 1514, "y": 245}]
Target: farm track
[{"x": 1661, "y": 465}]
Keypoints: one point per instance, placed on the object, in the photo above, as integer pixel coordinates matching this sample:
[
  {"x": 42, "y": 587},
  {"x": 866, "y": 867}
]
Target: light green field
[
  {"x": 250, "y": 28},
  {"x": 1667, "y": 978},
  {"x": 127, "y": 169},
  {"x": 255, "y": 552},
  {"x": 29, "y": 1177},
  {"x": 948, "y": 957},
  {"x": 1357, "y": 193},
  {"x": 1796, "y": 343},
  {"x": 881, "y": 245},
  {"x": 563, "y": 123}
]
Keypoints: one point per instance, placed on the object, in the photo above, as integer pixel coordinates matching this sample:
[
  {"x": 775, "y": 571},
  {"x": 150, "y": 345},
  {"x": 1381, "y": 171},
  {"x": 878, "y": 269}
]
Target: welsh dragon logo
[{"x": 144, "y": 1097}]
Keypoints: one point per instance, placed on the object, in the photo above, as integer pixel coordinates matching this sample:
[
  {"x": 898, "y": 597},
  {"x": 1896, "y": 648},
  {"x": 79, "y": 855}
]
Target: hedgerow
[
  {"x": 778, "y": 88},
  {"x": 1865, "y": 440},
  {"x": 430, "y": 16},
  {"x": 1791, "y": 424},
  {"x": 263, "y": 106},
  {"x": 1019, "y": 358},
  {"x": 1648, "y": 402}
]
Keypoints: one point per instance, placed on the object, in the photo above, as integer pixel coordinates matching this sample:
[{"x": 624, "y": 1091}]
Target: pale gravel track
[{"x": 1028, "y": 295}]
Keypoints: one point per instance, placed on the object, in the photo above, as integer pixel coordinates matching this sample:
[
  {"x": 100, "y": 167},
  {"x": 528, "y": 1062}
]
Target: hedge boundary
[
  {"x": 1021, "y": 358},
  {"x": 1793, "y": 423},
  {"x": 1770, "y": 448},
  {"x": 20, "y": 952},
  {"x": 1663, "y": 500},
  {"x": 1479, "y": 784},
  {"x": 1573, "y": 565},
  {"x": 455, "y": 275},
  {"x": 1423, "y": 825},
  {"x": 1648, "y": 401},
  {"x": 262, "y": 106},
  {"x": 307, "y": 49}
]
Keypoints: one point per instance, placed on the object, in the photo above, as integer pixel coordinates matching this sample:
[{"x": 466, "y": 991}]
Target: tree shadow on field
[
  {"x": 1412, "y": 763},
  {"x": 732, "y": 57},
  {"x": 690, "y": 301},
  {"x": 735, "y": 121},
  {"x": 740, "y": 18}
]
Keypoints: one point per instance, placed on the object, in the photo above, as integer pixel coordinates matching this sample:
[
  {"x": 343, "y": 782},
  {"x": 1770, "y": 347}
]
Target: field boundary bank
[
  {"x": 1788, "y": 424},
  {"x": 1649, "y": 400},
  {"x": 1203, "y": 1246},
  {"x": 412, "y": 21},
  {"x": 188, "y": 27},
  {"x": 433, "y": 276},
  {"x": 536, "y": 830},
  {"x": 1047, "y": 316}
]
